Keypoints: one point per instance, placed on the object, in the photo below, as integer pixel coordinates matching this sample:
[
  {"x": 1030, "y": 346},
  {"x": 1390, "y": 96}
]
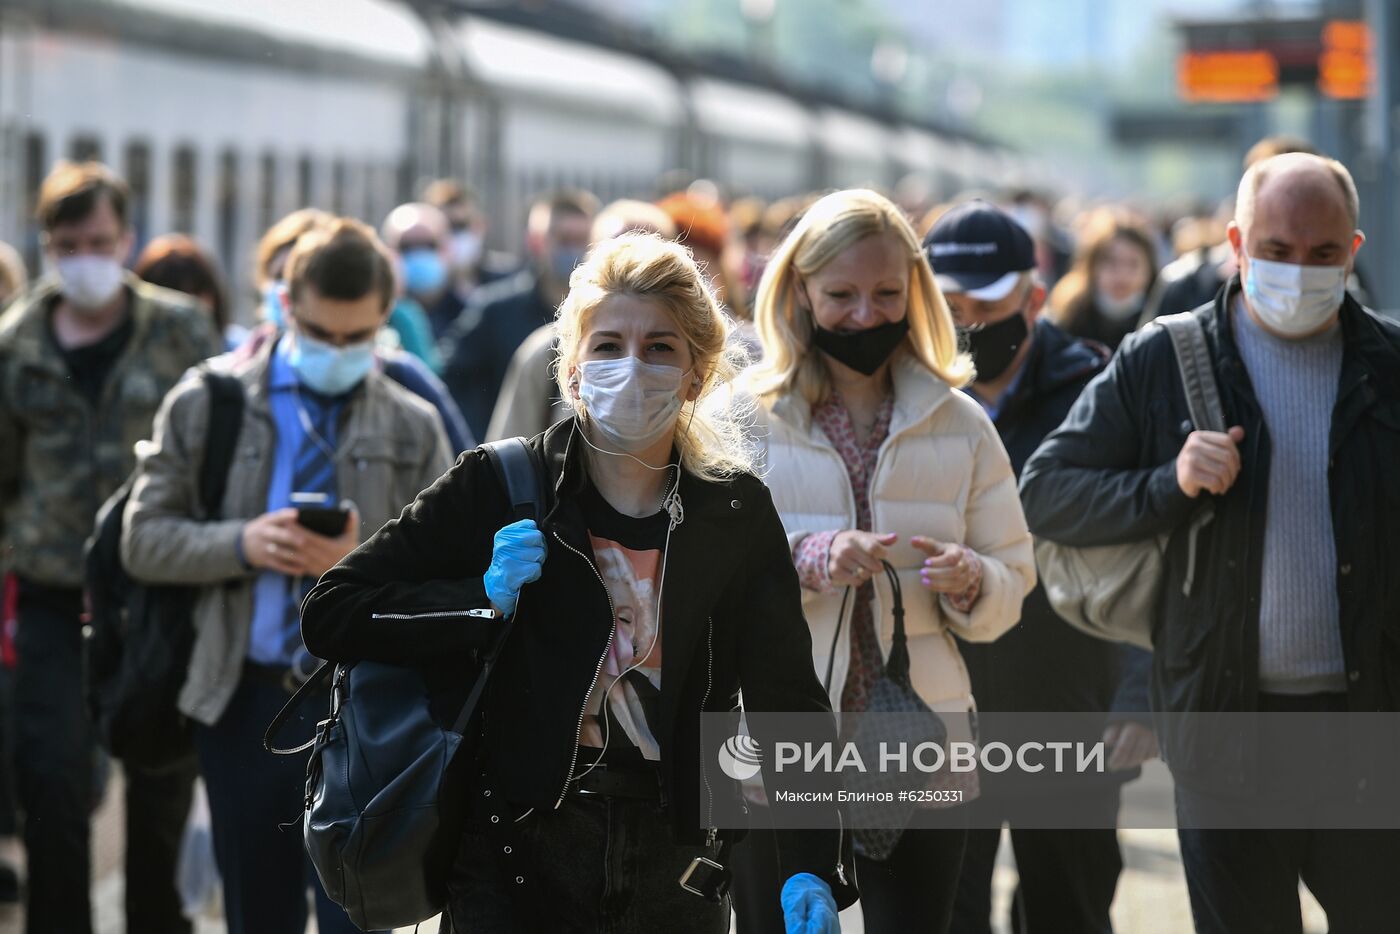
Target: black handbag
[
  {"x": 386, "y": 785},
  {"x": 895, "y": 714}
]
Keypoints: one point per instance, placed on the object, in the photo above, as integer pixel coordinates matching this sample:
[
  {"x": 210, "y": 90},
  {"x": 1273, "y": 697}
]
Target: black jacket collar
[{"x": 1056, "y": 359}]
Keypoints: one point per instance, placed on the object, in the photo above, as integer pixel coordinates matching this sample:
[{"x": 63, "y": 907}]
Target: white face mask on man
[
  {"x": 89, "y": 281},
  {"x": 1291, "y": 299},
  {"x": 633, "y": 403}
]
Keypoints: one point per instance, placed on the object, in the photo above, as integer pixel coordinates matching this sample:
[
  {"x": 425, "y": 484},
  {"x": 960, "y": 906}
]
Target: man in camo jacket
[{"x": 85, "y": 360}]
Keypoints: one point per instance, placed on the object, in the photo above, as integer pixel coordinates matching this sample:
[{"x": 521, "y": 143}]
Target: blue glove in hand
[
  {"x": 517, "y": 557},
  {"x": 808, "y": 907}
]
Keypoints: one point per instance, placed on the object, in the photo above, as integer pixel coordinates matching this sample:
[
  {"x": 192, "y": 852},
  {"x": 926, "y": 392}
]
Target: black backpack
[
  {"x": 387, "y": 785},
  {"x": 140, "y": 636}
]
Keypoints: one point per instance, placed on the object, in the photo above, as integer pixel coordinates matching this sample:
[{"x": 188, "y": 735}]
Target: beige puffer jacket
[{"x": 941, "y": 473}]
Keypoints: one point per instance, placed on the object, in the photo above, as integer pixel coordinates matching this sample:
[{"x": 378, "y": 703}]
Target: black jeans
[
  {"x": 157, "y": 806},
  {"x": 256, "y": 802},
  {"x": 594, "y": 864},
  {"x": 1246, "y": 881},
  {"x": 1066, "y": 878},
  {"x": 913, "y": 890},
  {"x": 53, "y": 759}
]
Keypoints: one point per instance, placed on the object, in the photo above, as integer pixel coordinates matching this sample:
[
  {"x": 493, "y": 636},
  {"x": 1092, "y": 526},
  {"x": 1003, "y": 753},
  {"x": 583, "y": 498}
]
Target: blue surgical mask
[
  {"x": 327, "y": 369},
  {"x": 272, "y": 302},
  {"x": 562, "y": 262},
  {"x": 424, "y": 272}
]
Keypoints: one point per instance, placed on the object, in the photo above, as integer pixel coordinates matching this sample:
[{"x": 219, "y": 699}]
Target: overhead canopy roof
[
  {"x": 527, "y": 61},
  {"x": 736, "y": 110},
  {"x": 376, "y": 29}
]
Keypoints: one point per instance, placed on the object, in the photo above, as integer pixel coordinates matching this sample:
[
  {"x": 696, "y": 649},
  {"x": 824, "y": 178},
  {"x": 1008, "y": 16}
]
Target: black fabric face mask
[
  {"x": 995, "y": 346},
  {"x": 863, "y": 351}
]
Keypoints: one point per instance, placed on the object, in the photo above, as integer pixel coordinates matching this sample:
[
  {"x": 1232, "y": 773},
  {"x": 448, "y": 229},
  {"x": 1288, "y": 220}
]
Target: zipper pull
[
  {"x": 841, "y": 873},
  {"x": 710, "y": 836}
]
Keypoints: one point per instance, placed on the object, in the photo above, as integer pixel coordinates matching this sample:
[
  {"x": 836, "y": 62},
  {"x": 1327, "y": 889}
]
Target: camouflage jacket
[{"x": 60, "y": 458}]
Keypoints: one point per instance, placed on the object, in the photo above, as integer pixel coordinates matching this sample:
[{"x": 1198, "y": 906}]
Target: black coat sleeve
[
  {"x": 1090, "y": 482},
  {"x": 400, "y": 596},
  {"x": 776, "y": 675}
]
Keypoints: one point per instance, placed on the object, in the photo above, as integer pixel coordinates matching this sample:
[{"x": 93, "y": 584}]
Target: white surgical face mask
[
  {"x": 466, "y": 248},
  {"x": 633, "y": 403},
  {"x": 1122, "y": 308},
  {"x": 1291, "y": 299},
  {"x": 89, "y": 282}
]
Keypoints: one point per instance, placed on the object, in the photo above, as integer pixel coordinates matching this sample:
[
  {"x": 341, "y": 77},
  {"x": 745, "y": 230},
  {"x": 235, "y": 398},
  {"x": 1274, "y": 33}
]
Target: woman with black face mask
[{"x": 874, "y": 455}]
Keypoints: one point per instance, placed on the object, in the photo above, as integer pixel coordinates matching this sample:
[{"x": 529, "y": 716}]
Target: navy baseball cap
[{"x": 980, "y": 250}]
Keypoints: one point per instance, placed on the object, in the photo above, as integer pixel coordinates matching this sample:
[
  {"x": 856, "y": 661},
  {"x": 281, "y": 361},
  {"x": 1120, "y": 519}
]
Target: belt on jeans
[{"x": 614, "y": 783}]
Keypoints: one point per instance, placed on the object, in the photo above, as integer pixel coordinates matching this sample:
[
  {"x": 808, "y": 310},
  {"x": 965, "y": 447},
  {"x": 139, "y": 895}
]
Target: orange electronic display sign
[
  {"x": 1345, "y": 68},
  {"x": 1227, "y": 76},
  {"x": 1248, "y": 60}
]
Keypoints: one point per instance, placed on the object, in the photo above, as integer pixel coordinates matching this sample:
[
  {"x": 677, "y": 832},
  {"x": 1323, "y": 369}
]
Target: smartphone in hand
[{"x": 316, "y": 512}]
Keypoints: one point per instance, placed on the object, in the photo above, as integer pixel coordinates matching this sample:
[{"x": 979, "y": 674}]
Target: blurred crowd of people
[{"x": 469, "y": 334}]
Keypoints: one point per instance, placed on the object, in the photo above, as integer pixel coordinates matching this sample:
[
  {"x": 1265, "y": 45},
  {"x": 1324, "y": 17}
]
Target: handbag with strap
[
  {"x": 1114, "y": 591},
  {"x": 386, "y": 784},
  {"x": 895, "y": 714}
]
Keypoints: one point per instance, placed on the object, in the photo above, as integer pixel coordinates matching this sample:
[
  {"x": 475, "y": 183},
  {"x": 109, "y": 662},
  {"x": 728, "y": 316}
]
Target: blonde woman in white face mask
[{"x": 656, "y": 586}]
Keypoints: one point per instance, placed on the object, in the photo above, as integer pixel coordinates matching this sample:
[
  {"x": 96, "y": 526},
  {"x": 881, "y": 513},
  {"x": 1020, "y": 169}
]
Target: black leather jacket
[
  {"x": 1108, "y": 476},
  {"x": 732, "y": 618}
]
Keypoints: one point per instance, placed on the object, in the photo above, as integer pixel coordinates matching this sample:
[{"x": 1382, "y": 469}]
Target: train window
[
  {"x": 183, "y": 194},
  {"x": 228, "y": 207},
  {"x": 366, "y": 174},
  {"x": 35, "y": 168},
  {"x": 267, "y": 190},
  {"x": 84, "y": 148},
  {"x": 403, "y": 183},
  {"x": 137, "y": 164},
  {"x": 304, "y": 181},
  {"x": 338, "y": 186}
]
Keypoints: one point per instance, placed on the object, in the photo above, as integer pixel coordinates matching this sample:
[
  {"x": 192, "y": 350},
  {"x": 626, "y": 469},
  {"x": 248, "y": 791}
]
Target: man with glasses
[{"x": 327, "y": 447}]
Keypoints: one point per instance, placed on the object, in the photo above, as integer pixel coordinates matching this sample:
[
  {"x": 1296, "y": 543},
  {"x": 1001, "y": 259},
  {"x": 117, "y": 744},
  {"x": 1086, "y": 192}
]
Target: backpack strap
[
  {"x": 523, "y": 477},
  {"x": 225, "y": 421},
  {"x": 1197, "y": 375},
  {"x": 516, "y": 467}
]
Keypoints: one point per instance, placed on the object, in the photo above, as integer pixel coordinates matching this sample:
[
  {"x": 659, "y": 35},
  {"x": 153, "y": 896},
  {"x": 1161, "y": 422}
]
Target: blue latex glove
[
  {"x": 808, "y": 907},
  {"x": 517, "y": 557}
]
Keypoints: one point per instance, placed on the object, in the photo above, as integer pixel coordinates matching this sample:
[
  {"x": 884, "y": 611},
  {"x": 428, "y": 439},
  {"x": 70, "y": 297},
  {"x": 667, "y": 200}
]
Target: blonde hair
[
  {"x": 785, "y": 329},
  {"x": 711, "y": 438}
]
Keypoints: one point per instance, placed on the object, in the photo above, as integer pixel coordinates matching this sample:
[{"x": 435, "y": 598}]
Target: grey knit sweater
[{"x": 1300, "y": 642}]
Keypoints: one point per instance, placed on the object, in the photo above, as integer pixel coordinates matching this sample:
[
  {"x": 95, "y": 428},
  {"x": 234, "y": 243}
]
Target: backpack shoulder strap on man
[
  {"x": 1197, "y": 374},
  {"x": 225, "y": 420}
]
